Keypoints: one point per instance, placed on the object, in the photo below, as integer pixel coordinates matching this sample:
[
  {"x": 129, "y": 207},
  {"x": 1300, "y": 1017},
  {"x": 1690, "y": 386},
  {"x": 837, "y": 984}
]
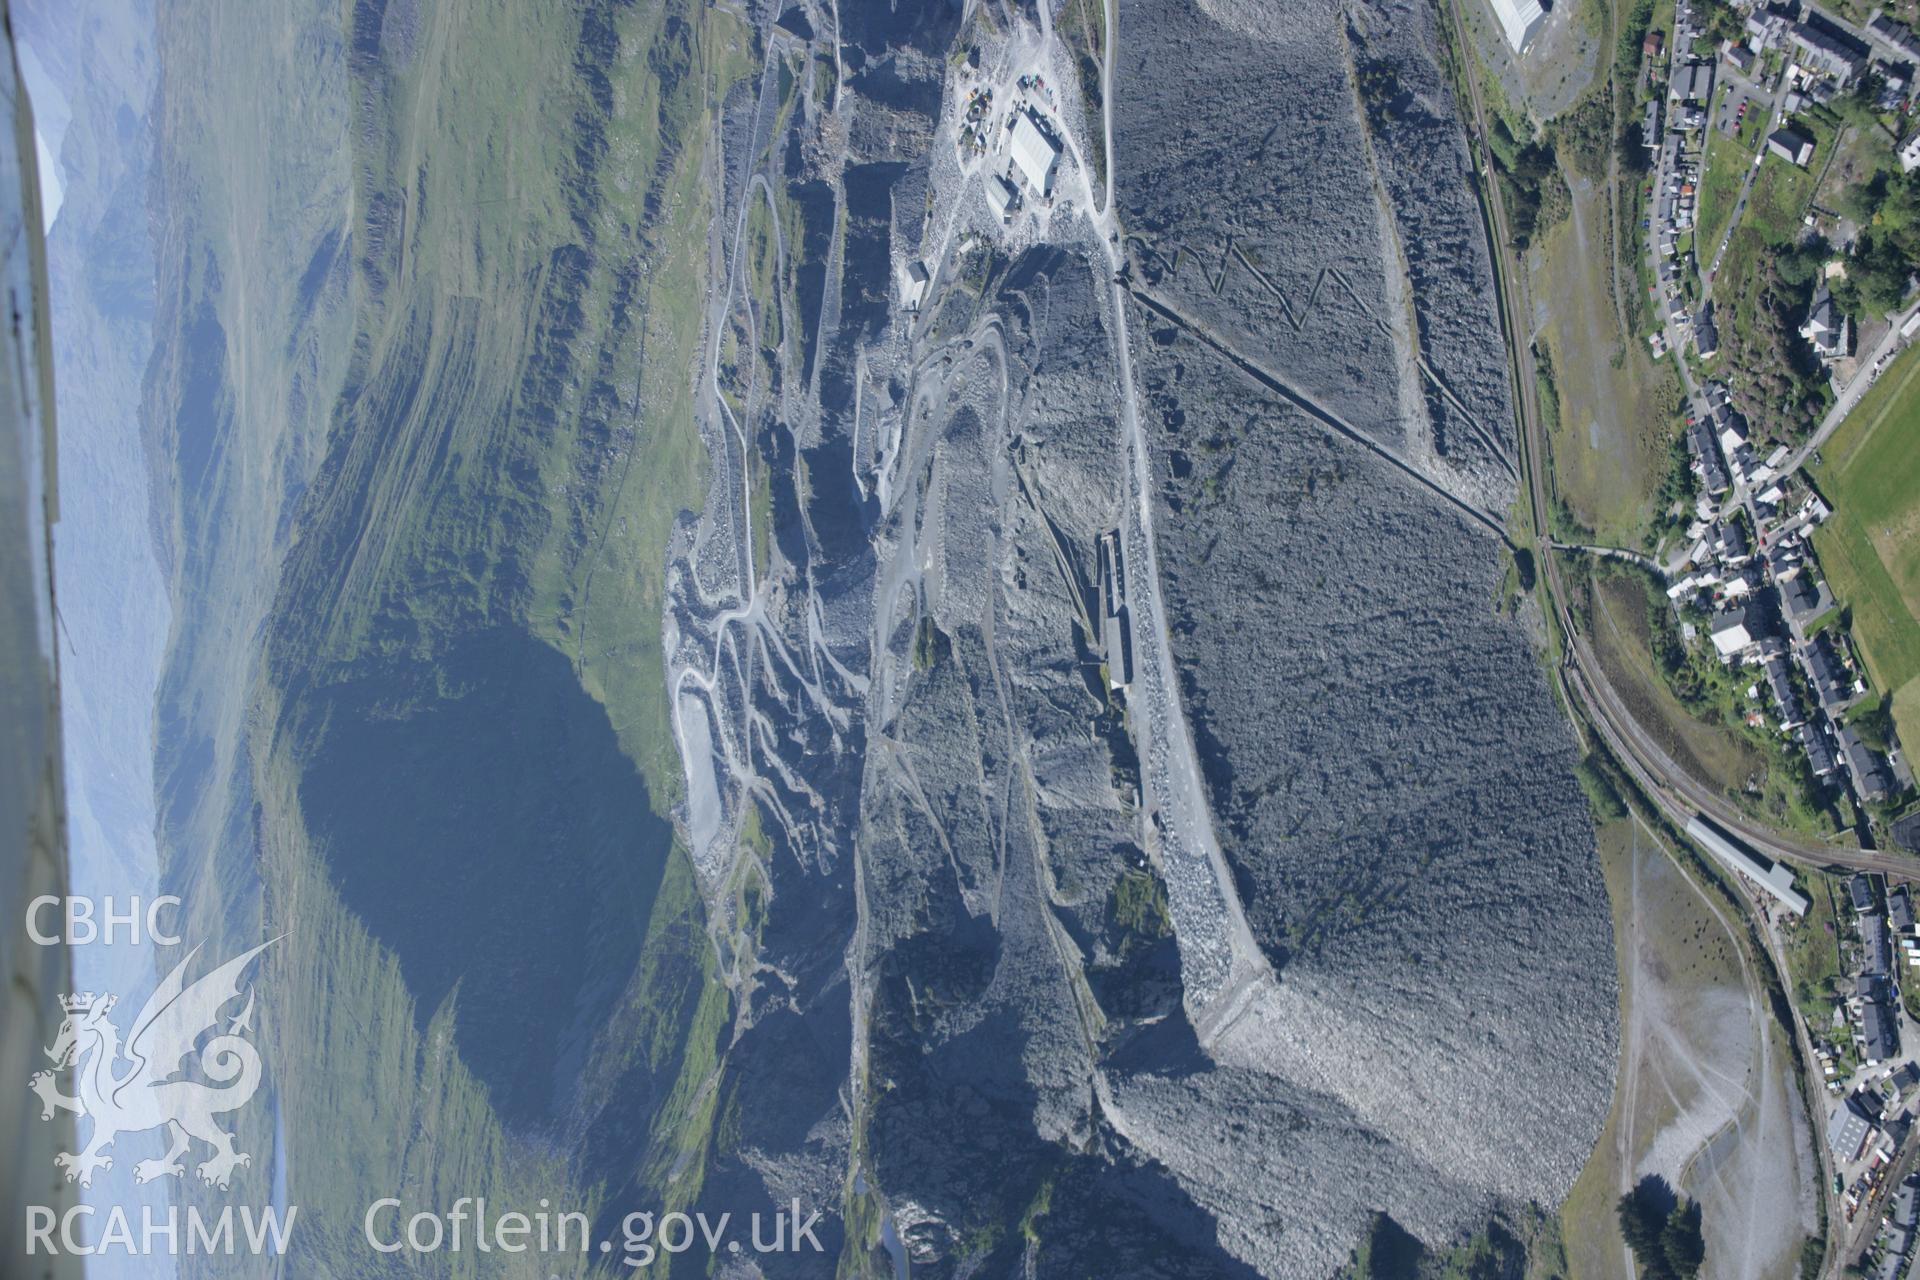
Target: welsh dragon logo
[{"x": 151, "y": 1092}]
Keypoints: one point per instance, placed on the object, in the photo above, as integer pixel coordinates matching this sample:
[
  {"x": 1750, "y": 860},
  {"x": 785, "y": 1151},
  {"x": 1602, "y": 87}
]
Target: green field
[
  {"x": 1870, "y": 472},
  {"x": 1728, "y": 159},
  {"x": 1613, "y": 408},
  {"x": 1781, "y": 190}
]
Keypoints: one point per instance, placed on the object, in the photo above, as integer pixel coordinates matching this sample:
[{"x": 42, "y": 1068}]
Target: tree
[
  {"x": 1798, "y": 264},
  {"x": 1718, "y": 21},
  {"x": 1859, "y": 108},
  {"x": 1583, "y": 133},
  {"x": 1640, "y": 1225},
  {"x": 1899, "y": 211},
  {"x": 1530, "y": 177},
  {"x": 1662, "y": 1231},
  {"x": 1877, "y": 274},
  {"x": 1861, "y": 200},
  {"x": 1886, "y": 206},
  {"x": 1776, "y": 383},
  {"x": 1630, "y": 146},
  {"x": 1633, "y": 31},
  {"x": 1685, "y": 1248}
]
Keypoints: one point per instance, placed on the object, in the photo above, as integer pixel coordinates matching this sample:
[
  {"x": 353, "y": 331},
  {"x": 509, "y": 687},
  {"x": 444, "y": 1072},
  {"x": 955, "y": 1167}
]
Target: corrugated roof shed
[{"x": 1034, "y": 152}]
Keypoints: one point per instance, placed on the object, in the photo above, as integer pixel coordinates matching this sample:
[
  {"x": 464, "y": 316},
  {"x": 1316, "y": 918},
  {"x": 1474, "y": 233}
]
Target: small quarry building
[
  {"x": 1115, "y": 634},
  {"x": 1521, "y": 20},
  {"x": 1002, "y": 196},
  {"x": 1791, "y": 145}
]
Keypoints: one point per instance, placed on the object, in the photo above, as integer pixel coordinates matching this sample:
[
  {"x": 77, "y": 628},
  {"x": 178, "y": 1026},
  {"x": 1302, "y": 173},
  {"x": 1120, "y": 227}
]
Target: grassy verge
[
  {"x": 1812, "y": 946},
  {"x": 1613, "y": 408}
]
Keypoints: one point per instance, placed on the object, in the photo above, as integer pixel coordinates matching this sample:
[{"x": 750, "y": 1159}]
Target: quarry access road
[
  {"x": 1223, "y": 967},
  {"x": 1221, "y": 962},
  {"x": 1613, "y": 553}
]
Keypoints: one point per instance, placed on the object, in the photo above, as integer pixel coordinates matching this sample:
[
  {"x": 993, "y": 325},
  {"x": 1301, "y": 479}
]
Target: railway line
[
  {"x": 1584, "y": 685},
  {"x": 1676, "y": 793}
]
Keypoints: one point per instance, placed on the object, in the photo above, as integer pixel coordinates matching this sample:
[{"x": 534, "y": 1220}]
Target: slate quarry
[{"x": 969, "y": 1015}]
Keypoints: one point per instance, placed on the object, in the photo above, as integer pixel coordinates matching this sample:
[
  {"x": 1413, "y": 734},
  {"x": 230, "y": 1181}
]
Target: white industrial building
[
  {"x": 1035, "y": 153},
  {"x": 1772, "y": 877},
  {"x": 1521, "y": 20}
]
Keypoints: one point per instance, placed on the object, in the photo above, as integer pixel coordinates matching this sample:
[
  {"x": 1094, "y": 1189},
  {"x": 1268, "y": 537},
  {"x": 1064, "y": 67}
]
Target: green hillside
[{"x": 434, "y": 458}]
